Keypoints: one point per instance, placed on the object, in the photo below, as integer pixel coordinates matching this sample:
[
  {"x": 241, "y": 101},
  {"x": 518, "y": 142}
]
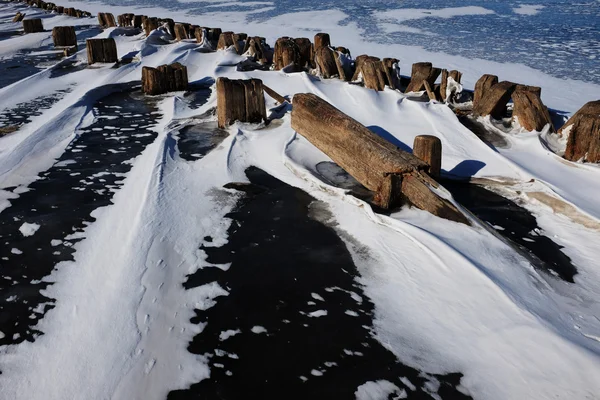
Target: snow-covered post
[
  {"x": 429, "y": 149},
  {"x": 583, "y": 130},
  {"x": 33, "y": 25},
  {"x": 150, "y": 24},
  {"x": 240, "y": 100},
  {"x": 455, "y": 75}
]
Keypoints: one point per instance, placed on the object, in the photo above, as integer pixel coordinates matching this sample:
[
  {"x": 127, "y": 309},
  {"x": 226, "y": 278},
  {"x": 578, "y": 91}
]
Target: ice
[
  {"x": 318, "y": 313},
  {"x": 379, "y": 390},
  {"x": 258, "y": 329},
  {"x": 229, "y": 333},
  {"x": 528, "y": 9},
  {"x": 28, "y": 229}
]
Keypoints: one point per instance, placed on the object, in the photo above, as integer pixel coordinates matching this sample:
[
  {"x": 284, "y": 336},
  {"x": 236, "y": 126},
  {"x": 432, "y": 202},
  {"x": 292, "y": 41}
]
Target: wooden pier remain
[
  {"x": 64, "y": 36},
  {"x": 529, "y": 110},
  {"x": 106, "y": 20},
  {"x": 429, "y": 149},
  {"x": 164, "y": 79},
  {"x": 583, "y": 130},
  {"x": 240, "y": 100},
  {"x": 33, "y": 25},
  {"x": 101, "y": 50},
  {"x": 393, "y": 174},
  {"x": 422, "y": 71}
]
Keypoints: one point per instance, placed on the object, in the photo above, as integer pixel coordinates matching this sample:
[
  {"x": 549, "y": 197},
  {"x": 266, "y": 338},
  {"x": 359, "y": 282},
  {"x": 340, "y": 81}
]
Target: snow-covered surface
[{"x": 447, "y": 297}]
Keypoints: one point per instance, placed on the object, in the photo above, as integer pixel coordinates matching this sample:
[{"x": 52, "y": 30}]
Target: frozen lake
[{"x": 561, "y": 38}]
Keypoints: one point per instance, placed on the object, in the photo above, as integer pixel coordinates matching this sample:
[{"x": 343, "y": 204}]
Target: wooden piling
[
  {"x": 529, "y": 110},
  {"x": 240, "y": 100},
  {"x": 106, "y": 20},
  {"x": 322, "y": 40},
  {"x": 101, "y": 50},
  {"x": 138, "y": 20},
  {"x": 125, "y": 20},
  {"x": 33, "y": 25},
  {"x": 429, "y": 149},
  {"x": 181, "y": 32},
  {"x": 494, "y": 100},
  {"x": 164, "y": 79},
  {"x": 455, "y": 75},
  {"x": 583, "y": 130},
  {"x": 482, "y": 86},
  {"x": 18, "y": 17},
  {"x": 150, "y": 24},
  {"x": 64, "y": 36},
  {"x": 422, "y": 71}
]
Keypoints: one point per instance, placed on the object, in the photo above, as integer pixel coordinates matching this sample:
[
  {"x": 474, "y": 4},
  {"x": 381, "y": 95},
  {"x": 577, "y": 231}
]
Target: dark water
[
  {"x": 305, "y": 324},
  {"x": 517, "y": 225},
  {"x": 83, "y": 179}
]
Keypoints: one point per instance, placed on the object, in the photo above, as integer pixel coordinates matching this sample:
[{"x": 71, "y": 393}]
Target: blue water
[{"x": 563, "y": 39}]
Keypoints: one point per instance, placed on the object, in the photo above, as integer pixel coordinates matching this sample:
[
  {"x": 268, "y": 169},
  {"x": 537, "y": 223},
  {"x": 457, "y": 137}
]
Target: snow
[
  {"x": 447, "y": 297},
  {"x": 528, "y": 9},
  {"x": 28, "y": 229}
]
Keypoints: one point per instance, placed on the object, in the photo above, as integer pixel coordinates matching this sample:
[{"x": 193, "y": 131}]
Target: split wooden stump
[
  {"x": 446, "y": 76},
  {"x": 422, "y": 72},
  {"x": 33, "y": 25},
  {"x": 18, "y": 17},
  {"x": 529, "y": 110},
  {"x": 240, "y": 100},
  {"x": 106, "y": 20},
  {"x": 102, "y": 51},
  {"x": 394, "y": 175},
  {"x": 429, "y": 149},
  {"x": 64, "y": 36},
  {"x": 164, "y": 79},
  {"x": 583, "y": 130},
  {"x": 494, "y": 97}
]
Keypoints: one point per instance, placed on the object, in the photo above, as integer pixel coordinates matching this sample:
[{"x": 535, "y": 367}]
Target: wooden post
[
  {"x": 60, "y": 9},
  {"x": 138, "y": 20},
  {"x": 255, "y": 47},
  {"x": 101, "y": 50},
  {"x": 429, "y": 149},
  {"x": 482, "y": 86},
  {"x": 494, "y": 100},
  {"x": 391, "y": 70},
  {"x": 150, "y": 24},
  {"x": 583, "y": 130},
  {"x": 225, "y": 40},
  {"x": 322, "y": 40},
  {"x": 286, "y": 52},
  {"x": 164, "y": 79},
  {"x": 372, "y": 73},
  {"x": 170, "y": 25},
  {"x": 18, "y": 17},
  {"x": 33, "y": 25},
  {"x": 306, "y": 52},
  {"x": 106, "y": 20},
  {"x": 326, "y": 63},
  {"x": 455, "y": 75},
  {"x": 180, "y": 32},
  {"x": 240, "y": 100},
  {"x": 376, "y": 163},
  {"x": 529, "y": 109},
  {"x": 64, "y": 36},
  {"x": 422, "y": 71},
  {"x": 71, "y": 12},
  {"x": 125, "y": 19}
]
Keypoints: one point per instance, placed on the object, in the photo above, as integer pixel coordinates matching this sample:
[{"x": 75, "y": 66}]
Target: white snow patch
[
  {"x": 378, "y": 390},
  {"x": 28, "y": 229}
]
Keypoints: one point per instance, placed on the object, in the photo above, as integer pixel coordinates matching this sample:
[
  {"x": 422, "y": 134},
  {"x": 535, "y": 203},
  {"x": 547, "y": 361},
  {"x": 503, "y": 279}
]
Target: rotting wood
[
  {"x": 583, "y": 130},
  {"x": 429, "y": 149},
  {"x": 391, "y": 70},
  {"x": 306, "y": 51},
  {"x": 322, "y": 40},
  {"x": 325, "y": 61},
  {"x": 376, "y": 163},
  {"x": 33, "y": 25},
  {"x": 372, "y": 73},
  {"x": 286, "y": 52},
  {"x": 106, "y": 20},
  {"x": 455, "y": 75},
  {"x": 18, "y": 17},
  {"x": 255, "y": 47},
  {"x": 181, "y": 32},
  {"x": 226, "y": 40},
  {"x": 150, "y": 24},
  {"x": 529, "y": 110},
  {"x": 422, "y": 71},
  {"x": 482, "y": 86},
  {"x": 340, "y": 66},
  {"x": 429, "y": 90},
  {"x": 240, "y": 100},
  {"x": 357, "y": 66},
  {"x": 64, "y": 36},
  {"x": 279, "y": 98},
  {"x": 101, "y": 50},
  {"x": 494, "y": 100},
  {"x": 164, "y": 79}
]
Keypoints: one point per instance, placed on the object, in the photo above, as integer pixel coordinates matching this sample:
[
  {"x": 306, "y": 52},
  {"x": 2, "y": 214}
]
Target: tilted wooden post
[
  {"x": 422, "y": 71},
  {"x": 529, "y": 110},
  {"x": 240, "y": 100},
  {"x": 494, "y": 100},
  {"x": 64, "y": 36},
  {"x": 583, "y": 130},
  {"x": 164, "y": 79},
  {"x": 429, "y": 149},
  {"x": 33, "y": 25},
  {"x": 101, "y": 50},
  {"x": 18, "y": 17},
  {"x": 377, "y": 164},
  {"x": 482, "y": 86}
]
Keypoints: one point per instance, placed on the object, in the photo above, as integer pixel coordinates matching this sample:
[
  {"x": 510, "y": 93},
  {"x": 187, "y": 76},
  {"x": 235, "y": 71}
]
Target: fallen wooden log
[
  {"x": 164, "y": 79},
  {"x": 101, "y": 50},
  {"x": 529, "y": 110},
  {"x": 494, "y": 100},
  {"x": 422, "y": 71},
  {"x": 429, "y": 149},
  {"x": 33, "y": 25},
  {"x": 276, "y": 96},
  {"x": 18, "y": 17},
  {"x": 482, "y": 86},
  {"x": 394, "y": 175},
  {"x": 583, "y": 130},
  {"x": 64, "y": 36},
  {"x": 106, "y": 20},
  {"x": 240, "y": 100}
]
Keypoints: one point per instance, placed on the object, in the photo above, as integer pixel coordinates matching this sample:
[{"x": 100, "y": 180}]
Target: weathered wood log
[
  {"x": 125, "y": 19},
  {"x": 18, "y": 17},
  {"x": 343, "y": 50},
  {"x": 71, "y": 12},
  {"x": 64, "y": 36},
  {"x": 495, "y": 100},
  {"x": 371, "y": 70},
  {"x": 240, "y": 100},
  {"x": 583, "y": 130},
  {"x": 33, "y": 25},
  {"x": 276, "y": 96},
  {"x": 306, "y": 52},
  {"x": 150, "y": 24},
  {"x": 376, "y": 163},
  {"x": 340, "y": 66},
  {"x": 529, "y": 110},
  {"x": 357, "y": 65},
  {"x": 422, "y": 71},
  {"x": 322, "y": 40},
  {"x": 101, "y": 50},
  {"x": 255, "y": 47},
  {"x": 326, "y": 64},
  {"x": 226, "y": 40},
  {"x": 181, "y": 32},
  {"x": 429, "y": 90},
  {"x": 106, "y": 20},
  {"x": 164, "y": 79},
  {"x": 210, "y": 36},
  {"x": 138, "y": 21},
  {"x": 482, "y": 86},
  {"x": 429, "y": 149},
  {"x": 286, "y": 52},
  {"x": 455, "y": 75},
  {"x": 392, "y": 72}
]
